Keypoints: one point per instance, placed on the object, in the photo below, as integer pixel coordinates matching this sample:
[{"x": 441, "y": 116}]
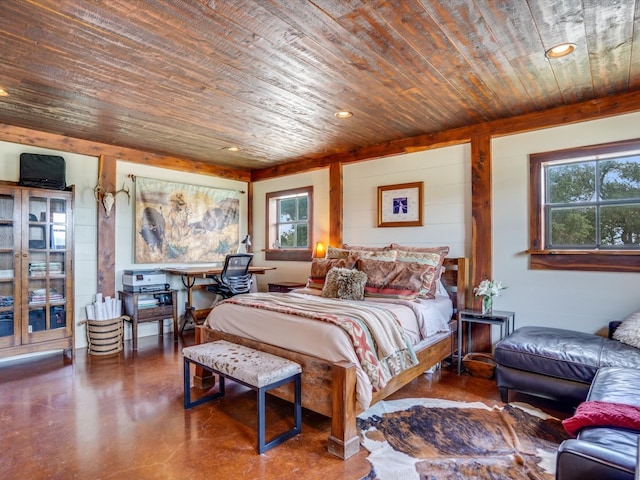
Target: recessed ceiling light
[
  {"x": 560, "y": 50},
  {"x": 343, "y": 114},
  {"x": 3, "y": 92},
  {"x": 232, "y": 149}
]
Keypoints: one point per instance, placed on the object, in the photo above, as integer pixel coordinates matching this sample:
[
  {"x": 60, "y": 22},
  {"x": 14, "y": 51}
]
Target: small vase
[{"x": 487, "y": 304}]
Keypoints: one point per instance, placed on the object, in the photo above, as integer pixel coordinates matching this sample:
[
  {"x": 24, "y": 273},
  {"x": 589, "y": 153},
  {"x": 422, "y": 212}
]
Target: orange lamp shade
[{"x": 319, "y": 250}]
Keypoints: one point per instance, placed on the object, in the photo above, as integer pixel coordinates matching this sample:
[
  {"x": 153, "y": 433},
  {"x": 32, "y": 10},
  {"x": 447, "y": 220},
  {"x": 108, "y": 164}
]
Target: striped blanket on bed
[{"x": 377, "y": 336}]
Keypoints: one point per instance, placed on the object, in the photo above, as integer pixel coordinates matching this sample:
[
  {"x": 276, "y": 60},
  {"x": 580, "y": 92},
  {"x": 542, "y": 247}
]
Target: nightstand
[
  {"x": 505, "y": 320},
  {"x": 285, "y": 287}
]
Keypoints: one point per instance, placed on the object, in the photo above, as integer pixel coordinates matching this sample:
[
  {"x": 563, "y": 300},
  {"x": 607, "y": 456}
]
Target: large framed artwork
[
  {"x": 180, "y": 223},
  {"x": 400, "y": 205}
]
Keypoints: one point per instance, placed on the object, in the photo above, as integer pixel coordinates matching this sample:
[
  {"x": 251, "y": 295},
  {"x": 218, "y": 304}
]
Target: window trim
[
  {"x": 614, "y": 260},
  {"x": 287, "y": 254}
]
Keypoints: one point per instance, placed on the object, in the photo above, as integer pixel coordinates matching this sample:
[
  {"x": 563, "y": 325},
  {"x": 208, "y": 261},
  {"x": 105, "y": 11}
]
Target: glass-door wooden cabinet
[{"x": 36, "y": 270}]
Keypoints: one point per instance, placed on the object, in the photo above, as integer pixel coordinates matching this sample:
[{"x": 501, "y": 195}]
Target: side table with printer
[{"x": 146, "y": 297}]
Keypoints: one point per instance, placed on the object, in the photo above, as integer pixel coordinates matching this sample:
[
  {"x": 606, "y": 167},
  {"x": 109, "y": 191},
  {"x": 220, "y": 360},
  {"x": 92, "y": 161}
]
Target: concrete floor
[{"x": 122, "y": 417}]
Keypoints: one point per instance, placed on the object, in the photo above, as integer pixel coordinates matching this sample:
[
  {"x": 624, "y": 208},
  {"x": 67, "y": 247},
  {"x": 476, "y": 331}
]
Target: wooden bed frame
[{"x": 329, "y": 388}]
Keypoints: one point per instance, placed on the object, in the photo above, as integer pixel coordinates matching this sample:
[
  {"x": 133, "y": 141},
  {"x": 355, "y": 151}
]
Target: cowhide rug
[{"x": 426, "y": 439}]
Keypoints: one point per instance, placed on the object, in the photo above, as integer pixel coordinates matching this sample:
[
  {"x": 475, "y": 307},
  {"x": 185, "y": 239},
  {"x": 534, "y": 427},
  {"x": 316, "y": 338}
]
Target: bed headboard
[{"x": 455, "y": 279}]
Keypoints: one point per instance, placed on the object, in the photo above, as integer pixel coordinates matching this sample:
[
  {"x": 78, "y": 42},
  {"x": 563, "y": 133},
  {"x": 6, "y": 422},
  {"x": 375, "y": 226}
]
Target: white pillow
[
  {"x": 442, "y": 290},
  {"x": 629, "y": 330}
]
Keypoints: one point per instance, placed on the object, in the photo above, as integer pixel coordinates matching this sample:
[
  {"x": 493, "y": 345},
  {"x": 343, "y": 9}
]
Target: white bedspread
[{"x": 327, "y": 341}]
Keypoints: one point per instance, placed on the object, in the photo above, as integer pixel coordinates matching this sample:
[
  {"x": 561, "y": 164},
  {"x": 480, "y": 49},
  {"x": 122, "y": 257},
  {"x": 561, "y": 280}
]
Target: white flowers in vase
[{"x": 488, "y": 289}]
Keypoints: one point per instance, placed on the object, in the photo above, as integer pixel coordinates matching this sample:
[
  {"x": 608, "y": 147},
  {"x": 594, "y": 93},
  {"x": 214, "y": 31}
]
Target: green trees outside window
[
  {"x": 293, "y": 218},
  {"x": 593, "y": 203}
]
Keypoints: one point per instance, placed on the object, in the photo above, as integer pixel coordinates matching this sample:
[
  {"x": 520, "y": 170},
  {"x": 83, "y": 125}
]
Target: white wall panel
[
  {"x": 446, "y": 209},
  {"x": 125, "y": 224},
  {"x": 289, "y": 271},
  {"x": 584, "y": 301}
]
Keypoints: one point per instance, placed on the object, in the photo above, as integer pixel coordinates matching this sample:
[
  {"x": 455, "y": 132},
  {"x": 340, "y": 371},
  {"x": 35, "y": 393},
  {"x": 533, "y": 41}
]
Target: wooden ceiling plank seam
[
  {"x": 510, "y": 25},
  {"x": 148, "y": 128},
  {"x": 59, "y": 116},
  {"x": 609, "y": 39},
  {"x": 634, "y": 67},
  {"x": 302, "y": 49},
  {"x": 394, "y": 68},
  {"x": 414, "y": 72},
  {"x": 387, "y": 123},
  {"x": 405, "y": 67},
  {"x": 558, "y": 22},
  {"x": 328, "y": 37},
  {"x": 295, "y": 72},
  {"x": 492, "y": 82},
  {"x": 141, "y": 73},
  {"x": 174, "y": 102},
  {"x": 289, "y": 71}
]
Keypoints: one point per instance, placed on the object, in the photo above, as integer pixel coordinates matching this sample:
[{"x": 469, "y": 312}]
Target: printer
[{"x": 144, "y": 281}]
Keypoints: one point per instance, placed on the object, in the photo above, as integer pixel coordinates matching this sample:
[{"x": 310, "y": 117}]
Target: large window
[
  {"x": 585, "y": 208},
  {"x": 289, "y": 224}
]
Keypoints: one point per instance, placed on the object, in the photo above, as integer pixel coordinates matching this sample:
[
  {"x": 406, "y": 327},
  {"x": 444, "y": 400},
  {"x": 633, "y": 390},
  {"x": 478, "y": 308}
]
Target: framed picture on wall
[{"x": 400, "y": 205}]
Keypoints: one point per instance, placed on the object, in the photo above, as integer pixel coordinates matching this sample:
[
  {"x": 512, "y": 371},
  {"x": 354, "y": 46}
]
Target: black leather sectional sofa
[
  {"x": 572, "y": 367},
  {"x": 602, "y": 452}
]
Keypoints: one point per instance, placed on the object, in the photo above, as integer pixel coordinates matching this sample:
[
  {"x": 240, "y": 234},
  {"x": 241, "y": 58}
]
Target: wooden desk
[{"x": 189, "y": 275}]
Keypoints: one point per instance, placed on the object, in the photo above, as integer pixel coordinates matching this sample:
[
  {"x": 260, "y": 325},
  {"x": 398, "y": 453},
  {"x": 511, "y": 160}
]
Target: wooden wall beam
[
  {"x": 336, "y": 197},
  {"x": 481, "y": 229},
  {"x": 250, "y": 210},
  {"x": 107, "y": 229}
]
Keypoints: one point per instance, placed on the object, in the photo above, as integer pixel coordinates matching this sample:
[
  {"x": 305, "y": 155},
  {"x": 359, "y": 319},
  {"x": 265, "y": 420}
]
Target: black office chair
[{"x": 234, "y": 278}]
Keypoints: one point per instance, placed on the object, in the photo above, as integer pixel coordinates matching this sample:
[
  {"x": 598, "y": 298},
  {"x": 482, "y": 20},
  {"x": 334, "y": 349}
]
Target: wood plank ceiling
[{"x": 189, "y": 78}]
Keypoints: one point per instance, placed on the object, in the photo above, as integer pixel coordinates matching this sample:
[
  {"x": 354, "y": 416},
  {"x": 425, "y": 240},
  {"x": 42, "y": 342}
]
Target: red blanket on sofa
[{"x": 603, "y": 414}]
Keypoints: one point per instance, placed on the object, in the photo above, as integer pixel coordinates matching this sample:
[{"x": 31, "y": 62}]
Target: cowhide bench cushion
[
  {"x": 556, "y": 363},
  {"x": 257, "y": 370}
]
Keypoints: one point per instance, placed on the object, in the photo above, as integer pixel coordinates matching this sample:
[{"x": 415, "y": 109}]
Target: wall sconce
[
  {"x": 319, "y": 250},
  {"x": 247, "y": 243}
]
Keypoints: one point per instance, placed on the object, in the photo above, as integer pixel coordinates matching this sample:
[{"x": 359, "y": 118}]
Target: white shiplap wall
[
  {"x": 446, "y": 174},
  {"x": 125, "y": 223},
  {"x": 583, "y": 301},
  {"x": 289, "y": 271}
]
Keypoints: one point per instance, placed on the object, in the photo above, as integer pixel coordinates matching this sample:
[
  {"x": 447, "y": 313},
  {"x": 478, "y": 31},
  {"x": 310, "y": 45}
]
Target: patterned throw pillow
[
  {"x": 344, "y": 283},
  {"x": 334, "y": 252},
  {"x": 629, "y": 330},
  {"x": 358, "y": 247},
  {"x": 443, "y": 251},
  {"x": 321, "y": 266},
  {"x": 379, "y": 254},
  {"x": 395, "y": 279},
  {"x": 428, "y": 255}
]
